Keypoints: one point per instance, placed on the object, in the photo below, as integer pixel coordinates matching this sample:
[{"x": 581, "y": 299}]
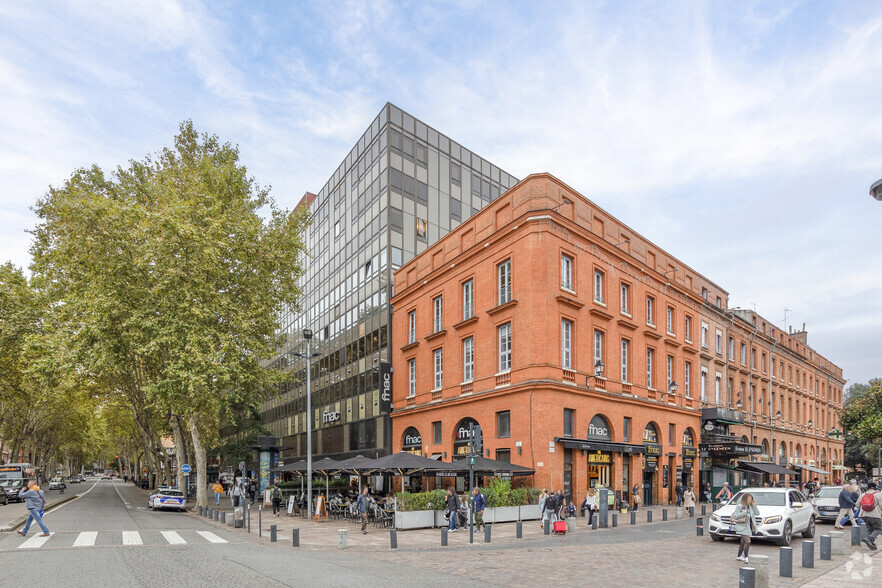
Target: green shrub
[
  {"x": 533, "y": 495},
  {"x": 432, "y": 500}
]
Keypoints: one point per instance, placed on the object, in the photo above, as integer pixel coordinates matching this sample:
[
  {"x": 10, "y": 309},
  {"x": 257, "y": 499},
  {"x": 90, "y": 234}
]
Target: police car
[{"x": 170, "y": 498}]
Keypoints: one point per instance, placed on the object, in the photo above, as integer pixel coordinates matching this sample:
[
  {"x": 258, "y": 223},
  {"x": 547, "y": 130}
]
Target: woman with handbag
[
  {"x": 542, "y": 496},
  {"x": 591, "y": 503},
  {"x": 744, "y": 517}
]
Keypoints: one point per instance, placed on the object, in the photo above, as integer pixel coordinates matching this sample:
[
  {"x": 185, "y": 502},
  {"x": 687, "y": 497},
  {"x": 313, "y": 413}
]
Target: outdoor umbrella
[
  {"x": 404, "y": 461},
  {"x": 487, "y": 466},
  {"x": 325, "y": 466}
]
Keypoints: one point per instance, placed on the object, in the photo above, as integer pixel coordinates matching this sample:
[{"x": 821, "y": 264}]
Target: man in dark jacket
[
  {"x": 559, "y": 504},
  {"x": 846, "y": 507},
  {"x": 452, "y": 508},
  {"x": 550, "y": 504},
  {"x": 478, "y": 503},
  {"x": 680, "y": 490}
]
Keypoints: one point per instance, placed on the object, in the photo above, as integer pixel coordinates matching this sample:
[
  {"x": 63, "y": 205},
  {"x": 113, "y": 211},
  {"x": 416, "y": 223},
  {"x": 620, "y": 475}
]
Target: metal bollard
[
  {"x": 519, "y": 530},
  {"x": 704, "y": 510},
  {"x": 594, "y": 523},
  {"x": 207, "y": 512},
  {"x": 486, "y": 533},
  {"x": 393, "y": 538},
  {"x": 785, "y": 562},
  {"x": 341, "y": 538},
  {"x": 808, "y": 554},
  {"x": 273, "y": 534},
  {"x": 648, "y": 516},
  {"x": 249, "y": 518},
  {"x": 547, "y": 528},
  {"x": 216, "y": 514},
  {"x": 664, "y": 514},
  {"x": 864, "y": 532},
  {"x": 296, "y": 538},
  {"x": 199, "y": 510},
  {"x": 633, "y": 517},
  {"x": 746, "y": 578},
  {"x": 443, "y": 536},
  {"x": 260, "y": 520},
  {"x": 691, "y": 511},
  {"x": 223, "y": 516},
  {"x": 855, "y": 535},
  {"x": 699, "y": 526},
  {"x": 615, "y": 519},
  {"x": 826, "y": 548}
]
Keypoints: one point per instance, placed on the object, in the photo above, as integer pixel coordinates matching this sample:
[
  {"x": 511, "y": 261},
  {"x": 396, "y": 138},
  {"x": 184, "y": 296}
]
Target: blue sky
[{"x": 740, "y": 136}]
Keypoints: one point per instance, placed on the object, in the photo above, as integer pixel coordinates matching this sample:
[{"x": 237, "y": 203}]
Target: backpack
[
  {"x": 276, "y": 494},
  {"x": 868, "y": 502}
]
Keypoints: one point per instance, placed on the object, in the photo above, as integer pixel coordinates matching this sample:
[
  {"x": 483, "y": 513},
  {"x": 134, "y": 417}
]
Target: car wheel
[
  {"x": 810, "y": 530},
  {"x": 717, "y": 537},
  {"x": 787, "y": 535}
]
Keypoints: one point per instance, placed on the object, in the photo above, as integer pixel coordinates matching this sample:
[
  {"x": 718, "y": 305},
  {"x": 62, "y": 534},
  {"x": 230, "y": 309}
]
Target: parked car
[
  {"x": 56, "y": 483},
  {"x": 167, "y": 498},
  {"x": 826, "y": 503},
  {"x": 12, "y": 487},
  {"x": 4, "y": 498},
  {"x": 783, "y": 512}
]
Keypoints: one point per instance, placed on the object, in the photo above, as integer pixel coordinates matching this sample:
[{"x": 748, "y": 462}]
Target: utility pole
[{"x": 476, "y": 447}]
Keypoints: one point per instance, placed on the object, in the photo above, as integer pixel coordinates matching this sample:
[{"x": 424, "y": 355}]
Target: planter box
[
  {"x": 440, "y": 521},
  {"x": 530, "y": 512},
  {"x": 418, "y": 519},
  {"x": 506, "y": 514}
]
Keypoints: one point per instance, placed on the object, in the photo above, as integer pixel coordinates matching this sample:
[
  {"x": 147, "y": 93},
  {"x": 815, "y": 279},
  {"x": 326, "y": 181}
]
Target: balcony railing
[
  {"x": 569, "y": 376},
  {"x": 503, "y": 379},
  {"x": 626, "y": 388},
  {"x": 436, "y": 395},
  {"x": 466, "y": 387}
]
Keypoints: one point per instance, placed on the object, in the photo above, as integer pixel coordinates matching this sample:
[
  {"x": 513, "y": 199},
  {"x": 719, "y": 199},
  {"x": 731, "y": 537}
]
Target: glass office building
[{"x": 401, "y": 188}]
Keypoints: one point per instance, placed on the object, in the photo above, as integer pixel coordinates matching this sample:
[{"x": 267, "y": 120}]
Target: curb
[{"x": 18, "y": 521}]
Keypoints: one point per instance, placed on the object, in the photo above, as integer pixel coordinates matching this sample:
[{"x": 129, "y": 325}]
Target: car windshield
[
  {"x": 761, "y": 498},
  {"x": 11, "y": 483},
  {"x": 830, "y": 492},
  {"x": 171, "y": 493}
]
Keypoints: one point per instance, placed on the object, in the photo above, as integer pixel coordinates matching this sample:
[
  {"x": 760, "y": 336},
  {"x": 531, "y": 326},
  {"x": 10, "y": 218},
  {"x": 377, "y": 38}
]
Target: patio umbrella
[
  {"x": 485, "y": 466},
  {"x": 325, "y": 466},
  {"x": 404, "y": 461}
]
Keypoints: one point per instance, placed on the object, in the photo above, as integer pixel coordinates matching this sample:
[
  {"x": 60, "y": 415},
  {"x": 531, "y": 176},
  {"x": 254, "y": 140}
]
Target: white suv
[{"x": 783, "y": 512}]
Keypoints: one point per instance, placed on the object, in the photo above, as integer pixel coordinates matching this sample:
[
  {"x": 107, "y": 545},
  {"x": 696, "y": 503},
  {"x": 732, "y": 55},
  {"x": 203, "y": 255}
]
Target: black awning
[
  {"x": 592, "y": 445},
  {"x": 767, "y": 467}
]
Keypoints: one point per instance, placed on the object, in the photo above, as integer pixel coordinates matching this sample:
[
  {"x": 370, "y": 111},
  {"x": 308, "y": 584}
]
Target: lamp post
[
  {"x": 876, "y": 192},
  {"x": 598, "y": 372},
  {"x": 307, "y": 334}
]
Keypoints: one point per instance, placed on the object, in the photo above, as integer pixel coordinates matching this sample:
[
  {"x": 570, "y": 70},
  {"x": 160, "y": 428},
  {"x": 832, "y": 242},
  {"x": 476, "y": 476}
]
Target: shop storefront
[
  {"x": 652, "y": 451},
  {"x": 689, "y": 455},
  {"x": 412, "y": 442}
]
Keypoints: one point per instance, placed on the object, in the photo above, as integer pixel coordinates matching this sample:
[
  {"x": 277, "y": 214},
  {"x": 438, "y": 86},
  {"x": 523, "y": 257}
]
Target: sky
[{"x": 742, "y": 137}]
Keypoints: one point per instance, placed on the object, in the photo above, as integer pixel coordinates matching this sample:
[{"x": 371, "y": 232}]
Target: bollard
[
  {"x": 207, "y": 512},
  {"x": 648, "y": 516},
  {"x": 615, "y": 518},
  {"x": 296, "y": 538},
  {"x": 216, "y": 514},
  {"x": 486, "y": 533},
  {"x": 679, "y": 513},
  {"x": 785, "y": 562},
  {"x": 249, "y": 518},
  {"x": 594, "y": 522},
  {"x": 704, "y": 510},
  {"x": 864, "y": 532},
  {"x": 808, "y": 554},
  {"x": 825, "y": 547},
  {"x": 855, "y": 535},
  {"x": 691, "y": 511},
  {"x": 393, "y": 538},
  {"x": 571, "y": 524},
  {"x": 443, "y": 536},
  {"x": 199, "y": 510},
  {"x": 341, "y": 538},
  {"x": 699, "y": 526},
  {"x": 603, "y": 499},
  {"x": 519, "y": 530},
  {"x": 633, "y": 517},
  {"x": 746, "y": 578},
  {"x": 547, "y": 527},
  {"x": 260, "y": 520},
  {"x": 761, "y": 564},
  {"x": 223, "y": 517},
  {"x": 664, "y": 514},
  {"x": 274, "y": 536}
]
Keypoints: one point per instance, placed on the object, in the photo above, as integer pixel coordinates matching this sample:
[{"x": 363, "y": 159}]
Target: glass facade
[{"x": 401, "y": 188}]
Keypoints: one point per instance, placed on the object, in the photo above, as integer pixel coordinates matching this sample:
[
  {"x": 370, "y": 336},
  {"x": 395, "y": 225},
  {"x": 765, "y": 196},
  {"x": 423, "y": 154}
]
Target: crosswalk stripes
[
  {"x": 131, "y": 538},
  {"x": 211, "y": 537},
  {"x": 86, "y": 539},
  {"x": 173, "y": 538},
  {"x": 35, "y": 542}
]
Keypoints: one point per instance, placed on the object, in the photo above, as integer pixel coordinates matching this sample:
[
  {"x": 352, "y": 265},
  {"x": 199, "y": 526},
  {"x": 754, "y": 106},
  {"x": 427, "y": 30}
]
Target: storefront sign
[
  {"x": 461, "y": 436},
  {"x": 412, "y": 442},
  {"x": 598, "y": 429},
  {"x": 731, "y": 448},
  {"x": 665, "y": 476},
  {"x": 600, "y": 458},
  {"x": 651, "y": 455},
  {"x": 689, "y": 455},
  {"x": 330, "y": 416},
  {"x": 385, "y": 387},
  {"x": 730, "y": 417}
]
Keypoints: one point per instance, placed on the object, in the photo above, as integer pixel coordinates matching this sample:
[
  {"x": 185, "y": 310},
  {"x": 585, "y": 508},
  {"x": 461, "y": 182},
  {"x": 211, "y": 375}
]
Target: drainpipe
[
  {"x": 772, "y": 396},
  {"x": 728, "y": 391},
  {"x": 750, "y": 365}
]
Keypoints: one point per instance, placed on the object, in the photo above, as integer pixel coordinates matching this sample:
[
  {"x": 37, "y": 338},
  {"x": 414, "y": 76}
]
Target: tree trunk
[
  {"x": 166, "y": 463},
  {"x": 180, "y": 447},
  {"x": 201, "y": 465}
]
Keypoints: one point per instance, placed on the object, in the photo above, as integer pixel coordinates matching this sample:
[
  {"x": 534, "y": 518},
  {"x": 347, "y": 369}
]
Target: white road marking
[
  {"x": 131, "y": 538},
  {"x": 173, "y": 538},
  {"x": 86, "y": 539},
  {"x": 212, "y": 537},
  {"x": 35, "y": 542}
]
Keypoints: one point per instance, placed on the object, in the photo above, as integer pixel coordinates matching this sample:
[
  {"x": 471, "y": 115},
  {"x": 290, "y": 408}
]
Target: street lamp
[
  {"x": 876, "y": 190},
  {"x": 672, "y": 387},
  {"x": 598, "y": 372},
  {"x": 307, "y": 334}
]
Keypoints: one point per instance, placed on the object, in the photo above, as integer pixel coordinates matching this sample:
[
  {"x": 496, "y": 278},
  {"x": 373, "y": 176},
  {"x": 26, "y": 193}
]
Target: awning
[
  {"x": 767, "y": 468},
  {"x": 840, "y": 468},
  {"x": 810, "y": 469},
  {"x": 592, "y": 445}
]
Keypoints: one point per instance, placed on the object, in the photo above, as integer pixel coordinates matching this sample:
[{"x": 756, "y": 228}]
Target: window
[
  {"x": 719, "y": 302},
  {"x": 719, "y": 341},
  {"x": 650, "y": 311},
  {"x": 687, "y": 379},
  {"x": 763, "y": 363},
  {"x": 504, "y": 347},
  {"x": 671, "y": 429},
  {"x": 717, "y": 380},
  {"x": 704, "y": 293},
  {"x": 566, "y": 338},
  {"x": 337, "y": 228},
  {"x": 703, "y": 385},
  {"x": 503, "y": 424},
  {"x": 753, "y": 360},
  {"x": 468, "y": 359},
  {"x": 411, "y": 327},
  {"x": 687, "y": 327},
  {"x": 730, "y": 351},
  {"x": 704, "y": 330},
  {"x": 624, "y": 360},
  {"x": 650, "y": 354},
  {"x": 421, "y": 227},
  {"x": 504, "y": 273},
  {"x": 436, "y": 432},
  {"x": 598, "y": 346},
  {"x": 743, "y": 354},
  {"x": 566, "y": 272},
  {"x": 670, "y": 316},
  {"x": 439, "y": 369},
  {"x": 569, "y": 417},
  {"x": 670, "y": 366},
  {"x": 503, "y": 454},
  {"x": 626, "y": 298},
  {"x": 598, "y": 286},
  {"x": 411, "y": 378},
  {"x": 626, "y": 429},
  {"x": 468, "y": 300},
  {"x": 438, "y": 304}
]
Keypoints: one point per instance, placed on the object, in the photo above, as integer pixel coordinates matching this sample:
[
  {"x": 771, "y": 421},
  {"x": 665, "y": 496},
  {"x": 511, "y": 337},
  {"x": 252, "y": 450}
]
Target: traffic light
[{"x": 477, "y": 440}]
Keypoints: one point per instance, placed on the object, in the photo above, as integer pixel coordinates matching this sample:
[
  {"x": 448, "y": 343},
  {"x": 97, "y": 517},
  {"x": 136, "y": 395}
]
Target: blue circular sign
[{"x": 186, "y": 468}]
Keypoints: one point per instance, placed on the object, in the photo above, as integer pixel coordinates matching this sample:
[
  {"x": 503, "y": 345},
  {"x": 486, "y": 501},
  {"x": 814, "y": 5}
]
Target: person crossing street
[{"x": 35, "y": 500}]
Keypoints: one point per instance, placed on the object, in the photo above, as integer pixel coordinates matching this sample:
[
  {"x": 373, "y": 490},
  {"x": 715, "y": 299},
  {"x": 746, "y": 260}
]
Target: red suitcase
[{"x": 559, "y": 528}]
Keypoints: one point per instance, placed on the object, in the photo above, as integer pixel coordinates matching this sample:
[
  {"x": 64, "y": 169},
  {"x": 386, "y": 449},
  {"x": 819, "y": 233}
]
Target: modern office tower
[{"x": 402, "y": 187}]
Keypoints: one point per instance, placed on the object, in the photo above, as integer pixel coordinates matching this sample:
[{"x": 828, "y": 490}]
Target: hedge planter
[
  {"x": 418, "y": 519},
  {"x": 531, "y": 512},
  {"x": 506, "y": 514}
]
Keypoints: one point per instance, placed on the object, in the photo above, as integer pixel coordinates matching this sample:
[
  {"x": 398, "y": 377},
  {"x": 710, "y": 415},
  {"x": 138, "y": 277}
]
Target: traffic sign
[{"x": 186, "y": 468}]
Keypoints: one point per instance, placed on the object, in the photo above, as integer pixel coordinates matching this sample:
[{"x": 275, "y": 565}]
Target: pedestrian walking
[
  {"x": 871, "y": 513},
  {"x": 635, "y": 496},
  {"x": 559, "y": 504},
  {"x": 680, "y": 489},
  {"x": 252, "y": 491},
  {"x": 361, "y": 507},
  {"x": 725, "y": 493},
  {"x": 708, "y": 493},
  {"x": 542, "y": 496},
  {"x": 276, "y": 498},
  {"x": 236, "y": 494},
  {"x": 744, "y": 518},
  {"x": 846, "y": 507},
  {"x": 452, "y": 509},
  {"x": 689, "y": 498},
  {"x": 35, "y": 500},
  {"x": 591, "y": 504},
  {"x": 478, "y": 503},
  {"x": 549, "y": 508},
  {"x": 218, "y": 489}
]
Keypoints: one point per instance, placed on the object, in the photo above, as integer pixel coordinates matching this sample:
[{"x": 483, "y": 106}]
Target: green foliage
[
  {"x": 861, "y": 414},
  {"x": 533, "y": 495},
  {"x": 497, "y": 493},
  {"x": 431, "y": 500}
]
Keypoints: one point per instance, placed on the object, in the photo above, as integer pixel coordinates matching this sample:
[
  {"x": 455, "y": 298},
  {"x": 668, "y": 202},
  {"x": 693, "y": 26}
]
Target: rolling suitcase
[{"x": 559, "y": 528}]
